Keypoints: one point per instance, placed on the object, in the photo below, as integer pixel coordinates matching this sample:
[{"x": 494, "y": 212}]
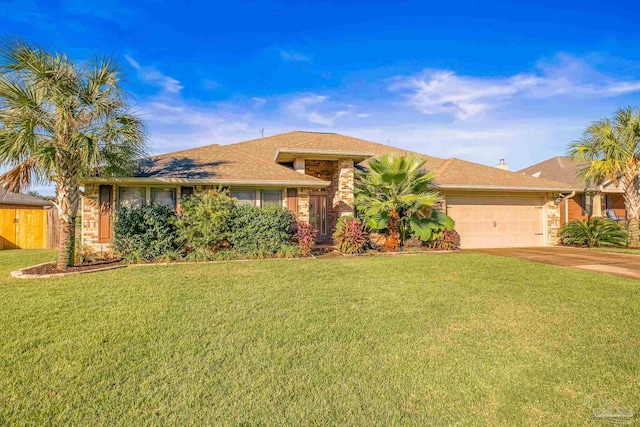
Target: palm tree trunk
[
  {"x": 632, "y": 205},
  {"x": 68, "y": 196},
  {"x": 393, "y": 236}
]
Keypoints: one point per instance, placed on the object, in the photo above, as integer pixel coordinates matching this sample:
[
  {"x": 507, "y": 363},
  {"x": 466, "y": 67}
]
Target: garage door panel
[{"x": 497, "y": 221}]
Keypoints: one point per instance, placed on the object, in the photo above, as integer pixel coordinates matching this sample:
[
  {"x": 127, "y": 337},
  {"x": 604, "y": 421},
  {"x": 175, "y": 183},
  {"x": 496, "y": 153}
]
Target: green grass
[
  {"x": 618, "y": 250},
  {"x": 465, "y": 339}
]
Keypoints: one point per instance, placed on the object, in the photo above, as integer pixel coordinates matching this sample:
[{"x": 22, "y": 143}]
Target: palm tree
[
  {"x": 393, "y": 193},
  {"x": 61, "y": 121},
  {"x": 612, "y": 149}
]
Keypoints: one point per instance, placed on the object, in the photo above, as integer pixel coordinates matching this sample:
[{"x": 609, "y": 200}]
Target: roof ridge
[
  {"x": 173, "y": 153},
  {"x": 445, "y": 165},
  {"x": 245, "y": 153},
  {"x": 502, "y": 171}
]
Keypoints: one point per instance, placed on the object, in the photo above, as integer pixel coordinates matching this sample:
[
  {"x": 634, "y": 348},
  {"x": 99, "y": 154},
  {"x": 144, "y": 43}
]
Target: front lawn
[
  {"x": 630, "y": 251},
  {"x": 413, "y": 340}
]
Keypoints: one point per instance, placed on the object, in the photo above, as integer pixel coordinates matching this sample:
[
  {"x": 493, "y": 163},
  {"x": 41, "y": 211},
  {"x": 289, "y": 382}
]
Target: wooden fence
[{"x": 28, "y": 227}]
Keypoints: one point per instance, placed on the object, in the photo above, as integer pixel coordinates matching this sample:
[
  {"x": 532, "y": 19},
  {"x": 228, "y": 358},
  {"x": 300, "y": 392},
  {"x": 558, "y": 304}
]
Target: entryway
[{"x": 318, "y": 217}]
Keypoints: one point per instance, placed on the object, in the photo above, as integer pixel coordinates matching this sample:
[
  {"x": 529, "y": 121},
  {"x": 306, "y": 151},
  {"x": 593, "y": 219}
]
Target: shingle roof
[
  {"x": 456, "y": 173},
  {"x": 254, "y": 161},
  {"x": 8, "y": 198},
  {"x": 215, "y": 163},
  {"x": 560, "y": 168}
]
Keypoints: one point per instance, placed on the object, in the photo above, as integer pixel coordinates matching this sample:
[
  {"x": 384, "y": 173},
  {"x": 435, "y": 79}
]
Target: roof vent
[{"x": 503, "y": 165}]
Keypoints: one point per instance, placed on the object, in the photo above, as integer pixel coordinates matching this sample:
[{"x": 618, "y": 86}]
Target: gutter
[
  {"x": 502, "y": 188},
  {"x": 191, "y": 181}
]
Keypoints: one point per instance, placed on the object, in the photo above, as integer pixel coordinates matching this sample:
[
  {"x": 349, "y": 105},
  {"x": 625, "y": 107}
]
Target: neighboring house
[
  {"x": 26, "y": 222},
  {"x": 589, "y": 199},
  {"x": 313, "y": 175}
]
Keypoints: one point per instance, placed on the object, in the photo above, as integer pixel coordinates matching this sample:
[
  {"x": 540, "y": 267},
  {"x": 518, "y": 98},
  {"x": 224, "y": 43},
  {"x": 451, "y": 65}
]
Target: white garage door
[{"x": 493, "y": 222}]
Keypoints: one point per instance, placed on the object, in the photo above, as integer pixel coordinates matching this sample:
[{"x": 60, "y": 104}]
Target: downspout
[{"x": 566, "y": 205}]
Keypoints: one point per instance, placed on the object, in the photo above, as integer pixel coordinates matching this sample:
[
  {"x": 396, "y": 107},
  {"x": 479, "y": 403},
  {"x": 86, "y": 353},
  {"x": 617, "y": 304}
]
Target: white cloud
[
  {"x": 363, "y": 115},
  {"x": 294, "y": 56},
  {"x": 307, "y": 107},
  {"x": 154, "y": 77},
  {"x": 435, "y": 91},
  {"x": 258, "y": 102}
]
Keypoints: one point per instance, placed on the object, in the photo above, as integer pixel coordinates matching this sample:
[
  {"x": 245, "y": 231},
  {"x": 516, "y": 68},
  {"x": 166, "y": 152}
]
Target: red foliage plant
[
  {"x": 349, "y": 236},
  {"x": 305, "y": 236}
]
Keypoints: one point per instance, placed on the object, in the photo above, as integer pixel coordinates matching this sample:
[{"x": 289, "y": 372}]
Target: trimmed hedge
[
  {"x": 145, "y": 233},
  {"x": 261, "y": 231}
]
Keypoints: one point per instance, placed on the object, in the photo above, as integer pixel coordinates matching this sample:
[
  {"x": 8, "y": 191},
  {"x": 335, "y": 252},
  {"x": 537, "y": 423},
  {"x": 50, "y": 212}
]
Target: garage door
[{"x": 493, "y": 222}]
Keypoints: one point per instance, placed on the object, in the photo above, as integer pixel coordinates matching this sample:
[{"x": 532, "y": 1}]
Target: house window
[
  {"x": 164, "y": 196},
  {"x": 131, "y": 196},
  {"x": 271, "y": 197},
  {"x": 247, "y": 197},
  {"x": 588, "y": 204},
  {"x": 186, "y": 191}
]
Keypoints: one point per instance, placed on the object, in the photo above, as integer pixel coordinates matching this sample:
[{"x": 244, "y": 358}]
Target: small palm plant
[
  {"x": 61, "y": 121},
  {"x": 593, "y": 232},
  {"x": 394, "y": 193}
]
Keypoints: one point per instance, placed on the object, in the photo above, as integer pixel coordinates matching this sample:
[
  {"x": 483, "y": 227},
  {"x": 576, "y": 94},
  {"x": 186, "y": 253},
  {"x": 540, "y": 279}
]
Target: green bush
[
  {"x": 431, "y": 227},
  {"x": 145, "y": 233},
  {"x": 593, "y": 232},
  {"x": 206, "y": 217},
  {"x": 261, "y": 232}
]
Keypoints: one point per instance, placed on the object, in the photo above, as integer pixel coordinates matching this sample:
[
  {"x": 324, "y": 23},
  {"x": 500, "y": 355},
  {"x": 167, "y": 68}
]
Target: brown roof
[
  {"x": 456, "y": 173},
  {"x": 8, "y": 198},
  {"x": 559, "y": 168},
  {"x": 217, "y": 163},
  {"x": 252, "y": 162}
]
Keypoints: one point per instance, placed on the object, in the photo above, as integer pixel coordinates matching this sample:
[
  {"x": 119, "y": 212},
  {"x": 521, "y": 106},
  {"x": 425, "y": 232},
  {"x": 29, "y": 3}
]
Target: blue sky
[{"x": 451, "y": 79}]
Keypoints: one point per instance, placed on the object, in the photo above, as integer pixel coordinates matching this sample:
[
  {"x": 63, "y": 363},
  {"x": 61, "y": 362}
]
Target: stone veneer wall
[
  {"x": 553, "y": 219},
  {"x": 90, "y": 211},
  {"x": 303, "y": 204}
]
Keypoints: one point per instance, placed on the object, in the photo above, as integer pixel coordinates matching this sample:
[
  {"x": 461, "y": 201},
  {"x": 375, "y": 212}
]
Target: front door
[{"x": 318, "y": 217}]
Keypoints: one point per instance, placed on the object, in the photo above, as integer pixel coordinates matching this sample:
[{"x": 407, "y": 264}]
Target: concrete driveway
[{"x": 622, "y": 265}]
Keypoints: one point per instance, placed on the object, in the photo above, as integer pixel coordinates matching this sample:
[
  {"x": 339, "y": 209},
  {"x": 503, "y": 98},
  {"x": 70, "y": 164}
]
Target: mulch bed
[{"x": 51, "y": 268}]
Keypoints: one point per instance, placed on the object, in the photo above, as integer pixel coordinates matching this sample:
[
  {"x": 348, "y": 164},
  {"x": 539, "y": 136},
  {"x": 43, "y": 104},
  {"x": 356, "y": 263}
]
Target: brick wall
[{"x": 574, "y": 207}]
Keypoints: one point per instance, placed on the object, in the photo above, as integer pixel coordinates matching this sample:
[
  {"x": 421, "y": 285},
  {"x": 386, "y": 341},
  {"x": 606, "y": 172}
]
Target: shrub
[
  {"x": 205, "y": 222},
  {"x": 593, "y": 232},
  {"x": 413, "y": 242},
  {"x": 429, "y": 228},
  {"x": 305, "y": 236},
  {"x": 448, "y": 240},
  {"x": 145, "y": 233},
  {"x": 349, "y": 237},
  {"x": 290, "y": 251},
  {"x": 84, "y": 254},
  {"x": 226, "y": 255},
  {"x": 261, "y": 232},
  {"x": 199, "y": 255}
]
